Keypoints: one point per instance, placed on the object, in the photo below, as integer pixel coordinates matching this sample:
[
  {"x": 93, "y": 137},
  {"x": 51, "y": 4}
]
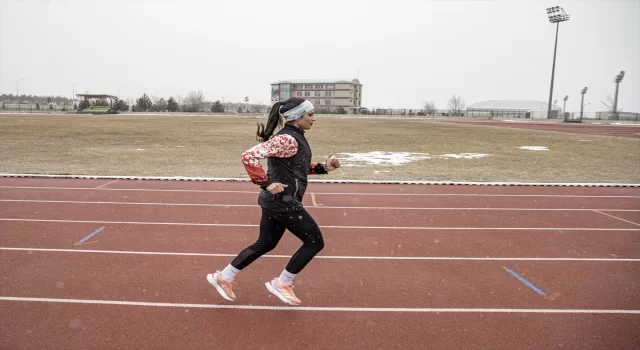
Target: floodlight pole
[
  {"x": 18, "y": 95},
  {"x": 17, "y": 92},
  {"x": 615, "y": 103},
  {"x": 556, "y": 15},
  {"x": 553, "y": 71},
  {"x": 584, "y": 91}
]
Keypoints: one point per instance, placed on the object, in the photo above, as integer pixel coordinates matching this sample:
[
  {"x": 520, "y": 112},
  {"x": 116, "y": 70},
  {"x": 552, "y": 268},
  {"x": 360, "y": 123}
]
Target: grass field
[{"x": 211, "y": 147}]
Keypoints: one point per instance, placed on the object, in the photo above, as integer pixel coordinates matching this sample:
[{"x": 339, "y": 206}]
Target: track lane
[
  {"x": 360, "y": 283},
  {"x": 325, "y": 217},
  {"x": 338, "y": 242},
  {"x": 323, "y": 200},
  {"x": 69, "y": 326}
]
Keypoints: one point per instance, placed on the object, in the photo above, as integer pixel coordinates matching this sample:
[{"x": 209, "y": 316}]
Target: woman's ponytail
[{"x": 274, "y": 121}]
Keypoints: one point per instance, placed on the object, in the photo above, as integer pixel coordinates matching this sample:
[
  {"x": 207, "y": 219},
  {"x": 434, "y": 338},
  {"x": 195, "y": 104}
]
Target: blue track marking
[
  {"x": 91, "y": 235},
  {"x": 536, "y": 289}
]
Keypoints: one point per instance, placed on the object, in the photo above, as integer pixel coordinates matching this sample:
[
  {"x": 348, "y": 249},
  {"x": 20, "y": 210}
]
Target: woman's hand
[
  {"x": 332, "y": 163},
  {"x": 276, "y": 188}
]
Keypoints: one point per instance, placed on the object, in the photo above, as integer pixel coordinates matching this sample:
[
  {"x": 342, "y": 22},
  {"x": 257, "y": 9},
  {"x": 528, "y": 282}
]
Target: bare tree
[
  {"x": 456, "y": 105},
  {"x": 609, "y": 105},
  {"x": 194, "y": 100},
  {"x": 430, "y": 108}
]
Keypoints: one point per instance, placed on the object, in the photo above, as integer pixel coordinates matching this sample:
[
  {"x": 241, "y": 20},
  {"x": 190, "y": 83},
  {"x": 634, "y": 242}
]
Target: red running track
[{"x": 405, "y": 266}]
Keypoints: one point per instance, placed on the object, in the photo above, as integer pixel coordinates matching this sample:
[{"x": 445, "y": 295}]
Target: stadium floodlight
[
  {"x": 583, "y": 92},
  {"x": 618, "y": 80},
  {"x": 556, "y": 15}
]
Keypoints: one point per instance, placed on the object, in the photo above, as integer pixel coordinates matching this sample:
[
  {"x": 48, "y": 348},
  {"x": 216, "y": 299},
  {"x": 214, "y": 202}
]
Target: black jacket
[{"x": 290, "y": 171}]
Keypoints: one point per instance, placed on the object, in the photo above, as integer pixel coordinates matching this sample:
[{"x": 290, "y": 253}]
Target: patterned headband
[{"x": 298, "y": 111}]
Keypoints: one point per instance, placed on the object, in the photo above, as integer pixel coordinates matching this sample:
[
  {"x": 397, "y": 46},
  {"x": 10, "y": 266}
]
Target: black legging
[{"x": 272, "y": 227}]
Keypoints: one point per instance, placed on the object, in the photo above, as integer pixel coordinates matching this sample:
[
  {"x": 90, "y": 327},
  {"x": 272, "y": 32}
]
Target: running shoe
[
  {"x": 223, "y": 287},
  {"x": 285, "y": 293}
]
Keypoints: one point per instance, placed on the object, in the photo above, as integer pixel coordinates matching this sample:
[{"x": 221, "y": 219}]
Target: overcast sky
[{"x": 408, "y": 52}]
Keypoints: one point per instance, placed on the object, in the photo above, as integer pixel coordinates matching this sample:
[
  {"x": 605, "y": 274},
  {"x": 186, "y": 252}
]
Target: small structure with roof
[
  {"x": 512, "y": 109},
  {"x": 97, "y": 104}
]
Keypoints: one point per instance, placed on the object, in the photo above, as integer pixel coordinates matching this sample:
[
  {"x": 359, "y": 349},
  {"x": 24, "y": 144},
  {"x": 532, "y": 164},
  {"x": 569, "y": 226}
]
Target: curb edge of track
[{"x": 389, "y": 182}]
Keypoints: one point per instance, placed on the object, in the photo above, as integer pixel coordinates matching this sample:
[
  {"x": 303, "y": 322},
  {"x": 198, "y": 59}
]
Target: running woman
[{"x": 283, "y": 187}]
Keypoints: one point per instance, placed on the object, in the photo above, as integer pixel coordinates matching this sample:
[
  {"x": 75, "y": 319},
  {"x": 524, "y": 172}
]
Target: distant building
[
  {"x": 512, "y": 109},
  {"x": 325, "y": 94}
]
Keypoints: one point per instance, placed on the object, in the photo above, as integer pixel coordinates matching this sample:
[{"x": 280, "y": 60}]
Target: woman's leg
[
  {"x": 305, "y": 228},
  {"x": 271, "y": 231}
]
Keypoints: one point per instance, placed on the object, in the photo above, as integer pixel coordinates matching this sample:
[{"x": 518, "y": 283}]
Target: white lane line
[
  {"x": 108, "y": 183},
  {"x": 319, "y": 308},
  {"x": 323, "y": 193},
  {"x": 340, "y": 257},
  {"x": 312, "y": 207},
  {"x": 329, "y": 226},
  {"x": 615, "y": 217}
]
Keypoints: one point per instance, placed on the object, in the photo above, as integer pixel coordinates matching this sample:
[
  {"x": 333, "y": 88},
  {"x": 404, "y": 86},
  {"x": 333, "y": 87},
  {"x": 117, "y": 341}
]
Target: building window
[
  {"x": 298, "y": 93},
  {"x": 328, "y": 93},
  {"x": 307, "y": 93},
  {"x": 318, "y": 93},
  {"x": 327, "y": 102},
  {"x": 317, "y": 102}
]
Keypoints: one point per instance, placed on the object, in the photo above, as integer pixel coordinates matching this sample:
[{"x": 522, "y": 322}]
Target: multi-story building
[{"x": 325, "y": 94}]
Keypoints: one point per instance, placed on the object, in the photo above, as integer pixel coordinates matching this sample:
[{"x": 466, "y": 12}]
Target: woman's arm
[
  {"x": 317, "y": 168},
  {"x": 280, "y": 146},
  {"x": 331, "y": 163}
]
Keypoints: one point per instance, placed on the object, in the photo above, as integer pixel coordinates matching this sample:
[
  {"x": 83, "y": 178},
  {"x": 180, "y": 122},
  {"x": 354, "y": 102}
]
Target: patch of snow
[
  {"x": 397, "y": 158},
  {"x": 383, "y": 158},
  {"x": 464, "y": 155},
  {"x": 535, "y": 148}
]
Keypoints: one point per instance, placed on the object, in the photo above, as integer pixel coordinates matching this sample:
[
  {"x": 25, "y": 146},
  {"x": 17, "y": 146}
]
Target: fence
[
  {"x": 498, "y": 113},
  {"x": 235, "y": 108},
  {"x": 34, "y": 107},
  {"x": 625, "y": 116},
  {"x": 407, "y": 112}
]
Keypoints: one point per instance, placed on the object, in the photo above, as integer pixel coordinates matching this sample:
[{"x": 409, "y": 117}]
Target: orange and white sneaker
[
  {"x": 223, "y": 287},
  {"x": 285, "y": 293}
]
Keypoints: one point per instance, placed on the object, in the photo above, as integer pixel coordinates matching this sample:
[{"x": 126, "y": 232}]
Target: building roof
[
  {"x": 510, "y": 105},
  {"x": 319, "y": 81}
]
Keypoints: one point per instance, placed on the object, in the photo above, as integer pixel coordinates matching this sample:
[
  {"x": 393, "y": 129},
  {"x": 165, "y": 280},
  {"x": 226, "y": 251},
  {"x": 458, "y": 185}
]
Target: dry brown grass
[{"x": 211, "y": 147}]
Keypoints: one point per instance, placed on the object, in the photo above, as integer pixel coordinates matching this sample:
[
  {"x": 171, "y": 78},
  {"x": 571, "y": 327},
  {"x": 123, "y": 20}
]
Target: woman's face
[{"x": 306, "y": 121}]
